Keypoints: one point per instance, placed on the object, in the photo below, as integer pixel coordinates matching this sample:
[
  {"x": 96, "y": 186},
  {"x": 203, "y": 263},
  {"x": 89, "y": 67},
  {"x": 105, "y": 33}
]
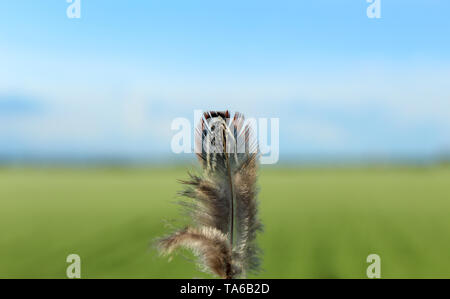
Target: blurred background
[{"x": 86, "y": 107}]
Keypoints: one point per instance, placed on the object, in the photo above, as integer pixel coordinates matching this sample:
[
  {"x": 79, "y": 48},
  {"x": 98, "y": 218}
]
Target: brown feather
[
  {"x": 248, "y": 223},
  {"x": 222, "y": 201},
  {"x": 207, "y": 243}
]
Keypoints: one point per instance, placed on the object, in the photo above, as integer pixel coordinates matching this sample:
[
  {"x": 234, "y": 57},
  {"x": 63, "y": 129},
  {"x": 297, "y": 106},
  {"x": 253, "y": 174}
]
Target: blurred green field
[{"x": 319, "y": 223}]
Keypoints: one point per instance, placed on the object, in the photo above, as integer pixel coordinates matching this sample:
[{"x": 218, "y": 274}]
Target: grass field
[{"x": 319, "y": 223}]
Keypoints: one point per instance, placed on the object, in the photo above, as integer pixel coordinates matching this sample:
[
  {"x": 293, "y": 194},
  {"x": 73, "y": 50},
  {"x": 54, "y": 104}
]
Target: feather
[
  {"x": 222, "y": 200},
  {"x": 208, "y": 243}
]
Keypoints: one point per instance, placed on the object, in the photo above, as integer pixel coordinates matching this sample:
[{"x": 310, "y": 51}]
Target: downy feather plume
[{"x": 222, "y": 199}]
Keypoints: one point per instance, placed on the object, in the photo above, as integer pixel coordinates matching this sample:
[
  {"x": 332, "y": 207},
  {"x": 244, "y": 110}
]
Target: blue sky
[{"x": 109, "y": 84}]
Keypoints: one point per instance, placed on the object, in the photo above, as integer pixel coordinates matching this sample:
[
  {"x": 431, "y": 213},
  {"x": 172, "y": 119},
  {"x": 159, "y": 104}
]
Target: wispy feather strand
[{"x": 222, "y": 200}]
